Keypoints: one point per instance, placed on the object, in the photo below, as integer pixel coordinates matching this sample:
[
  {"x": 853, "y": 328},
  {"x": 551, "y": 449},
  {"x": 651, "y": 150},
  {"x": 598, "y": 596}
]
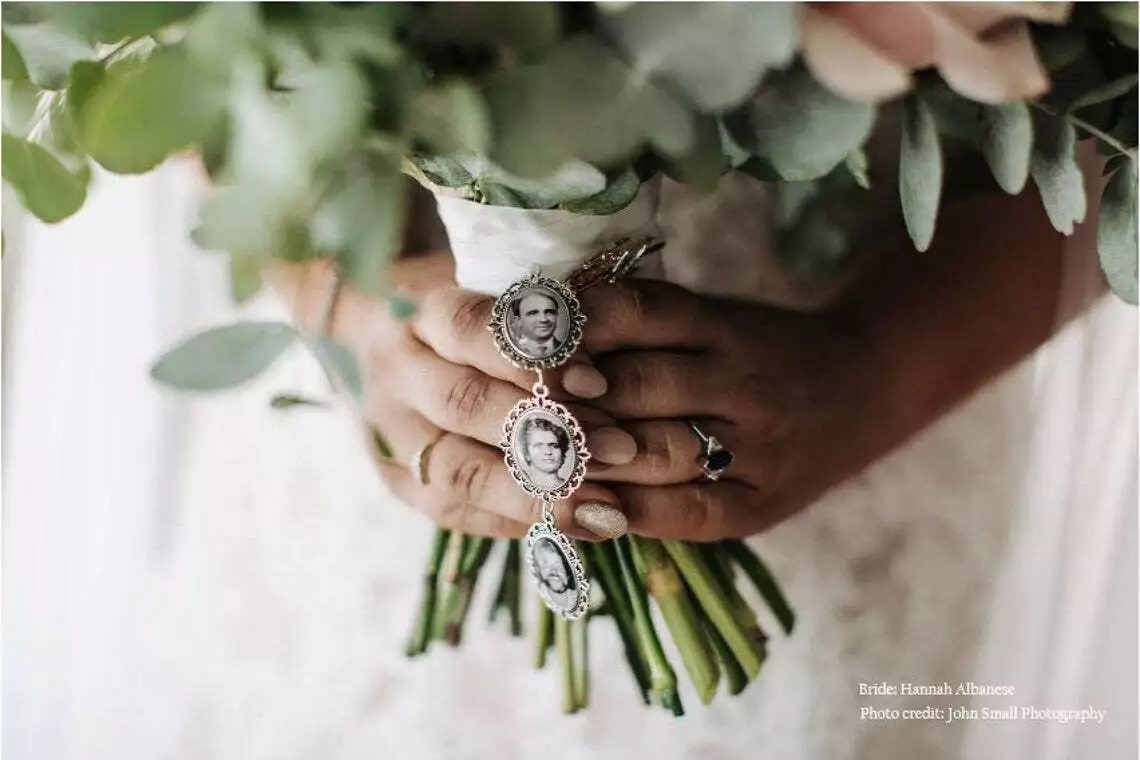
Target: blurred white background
[{"x": 128, "y": 629}]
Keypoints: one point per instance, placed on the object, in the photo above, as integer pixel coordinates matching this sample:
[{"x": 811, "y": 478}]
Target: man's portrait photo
[
  {"x": 537, "y": 322},
  {"x": 556, "y": 581},
  {"x": 543, "y": 451}
]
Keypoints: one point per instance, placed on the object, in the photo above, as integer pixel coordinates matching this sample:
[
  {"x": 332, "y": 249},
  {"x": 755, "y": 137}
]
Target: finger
[
  {"x": 700, "y": 511},
  {"x": 461, "y": 516},
  {"x": 659, "y": 384},
  {"x": 645, "y": 314},
  {"x": 463, "y": 471},
  {"x": 453, "y": 322},
  {"x": 668, "y": 453}
]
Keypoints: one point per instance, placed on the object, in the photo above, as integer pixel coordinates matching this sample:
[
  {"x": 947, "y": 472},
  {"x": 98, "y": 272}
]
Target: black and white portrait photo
[
  {"x": 537, "y": 322},
  {"x": 556, "y": 581},
  {"x": 543, "y": 451}
]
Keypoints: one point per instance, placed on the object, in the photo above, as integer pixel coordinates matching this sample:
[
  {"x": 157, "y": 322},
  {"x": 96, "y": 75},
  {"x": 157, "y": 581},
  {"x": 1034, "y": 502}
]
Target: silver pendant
[
  {"x": 537, "y": 323},
  {"x": 544, "y": 447},
  {"x": 557, "y": 569}
]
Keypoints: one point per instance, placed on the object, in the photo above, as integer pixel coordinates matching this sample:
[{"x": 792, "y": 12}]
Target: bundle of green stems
[{"x": 693, "y": 586}]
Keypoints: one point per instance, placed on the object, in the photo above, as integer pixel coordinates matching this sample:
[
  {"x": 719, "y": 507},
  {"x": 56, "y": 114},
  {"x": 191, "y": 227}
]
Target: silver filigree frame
[
  {"x": 576, "y": 321},
  {"x": 546, "y": 530},
  {"x": 577, "y": 441}
]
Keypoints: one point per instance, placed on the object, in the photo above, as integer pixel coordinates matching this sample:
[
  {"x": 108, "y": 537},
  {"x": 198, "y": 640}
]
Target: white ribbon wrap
[{"x": 495, "y": 246}]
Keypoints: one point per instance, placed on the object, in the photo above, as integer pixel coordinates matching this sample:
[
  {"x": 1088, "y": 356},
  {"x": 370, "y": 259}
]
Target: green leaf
[
  {"x": 341, "y": 364},
  {"x": 494, "y": 194},
  {"x": 44, "y": 186},
  {"x": 110, "y": 22},
  {"x": 241, "y": 221},
  {"x": 48, "y": 52},
  {"x": 363, "y": 223},
  {"x": 1007, "y": 142},
  {"x": 800, "y": 128},
  {"x": 856, "y": 164},
  {"x": 573, "y": 181},
  {"x": 223, "y": 357},
  {"x": 86, "y": 77},
  {"x": 705, "y": 163},
  {"x": 401, "y": 308},
  {"x": 1121, "y": 19},
  {"x": 583, "y": 102},
  {"x": 1054, "y": 169},
  {"x": 21, "y": 101},
  {"x": 734, "y": 155},
  {"x": 920, "y": 172},
  {"x": 142, "y": 114},
  {"x": 618, "y": 194},
  {"x": 452, "y": 118},
  {"x": 1116, "y": 233},
  {"x": 442, "y": 170},
  {"x": 219, "y": 36},
  {"x": 12, "y": 64},
  {"x": 1104, "y": 93},
  {"x": 714, "y": 53},
  {"x": 327, "y": 106},
  {"x": 245, "y": 277},
  {"x": 527, "y": 27}
]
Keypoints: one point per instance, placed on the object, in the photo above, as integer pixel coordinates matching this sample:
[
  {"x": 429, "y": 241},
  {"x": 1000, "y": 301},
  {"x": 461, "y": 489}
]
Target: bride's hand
[
  {"x": 437, "y": 379},
  {"x": 791, "y": 395}
]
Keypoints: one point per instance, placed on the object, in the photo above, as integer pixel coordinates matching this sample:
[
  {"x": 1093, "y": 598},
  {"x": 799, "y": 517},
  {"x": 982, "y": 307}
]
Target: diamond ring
[{"x": 714, "y": 458}]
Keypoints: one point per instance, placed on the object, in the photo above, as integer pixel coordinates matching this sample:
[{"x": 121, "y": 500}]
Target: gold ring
[{"x": 420, "y": 462}]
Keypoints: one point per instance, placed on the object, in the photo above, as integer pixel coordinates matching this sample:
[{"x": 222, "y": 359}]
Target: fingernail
[
  {"x": 584, "y": 381},
  {"x": 611, "y": 445},
  {"x": 601, "y": 519}
]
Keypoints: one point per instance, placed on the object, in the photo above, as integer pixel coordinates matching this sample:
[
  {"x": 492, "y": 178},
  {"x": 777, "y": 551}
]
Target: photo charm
[
  {"x": 557, "y": 571},
  {"x": 537, "y": 323},
  {"x": 544, "y": 448}
]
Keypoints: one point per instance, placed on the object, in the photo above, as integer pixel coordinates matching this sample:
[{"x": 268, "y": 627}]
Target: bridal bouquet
[{"x": 308, "y": 117}]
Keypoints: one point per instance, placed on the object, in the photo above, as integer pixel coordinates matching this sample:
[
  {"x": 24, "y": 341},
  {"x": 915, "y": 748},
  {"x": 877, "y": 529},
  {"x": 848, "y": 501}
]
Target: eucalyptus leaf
[
  {"x": 714, "y": 53},
  {"x": 443, "y": 171},
  {"x": 223, "y": 357},
  {"x": 222, "y": 34},
  {"x": 401, "y": 308},
  {"x": 245, "y": 277},
  {"x": 618, "y": 194},
  {"x": 47, "y": 51},
  {"x": 528, "y": 27},
  {"x": 800, "y": 128},
  {"x": 139, "y": 116},
  {"x": 1054, "y": 168},
  {"x": 734, "y": 155},
  {"x": 452, "y": 118},
  {"x": 1007, "y": 142},
  {"x": 21, "y": 100},
  {"x": 341, "y": 364},
  {"x": 1104, "y": 93},
  {"x": 572, "y": 181},
  {"x": 363, "y": 223},
  {"x": 494, "y": 194},
  {"x": 702, "y": 168},
  {"x": 44, "y": 186},
  {"x": 920, "y": 172},
  {"x": 1121, "y": 19},
  {"x": 856, "y": 164},
  {"x": 241, "y": 221},
  {"x": 327, "y": 108},
  {"x": 1116, "y": 233},
  {"x": 109, "y": 22},
  {"x": 12, "y": 65},
  {"x": 86, "y": 77}
]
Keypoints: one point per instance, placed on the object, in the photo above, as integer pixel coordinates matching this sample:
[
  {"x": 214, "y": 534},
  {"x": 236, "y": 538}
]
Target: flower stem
[
  {"x": 566, "y": 660},
  {"x": 421, "y": 632},
  {"x": 662, "y": 679},
  {"x": 667, "y": 588},
  {"x": 734, "y": 676},
  {"x": 603, "y": 563},
  {"x": 543, "y": 634},
  {"x": 762, "y": 579},
  {"x": 580, "y": 641},
  {"x": 508, "y": 592},
  {"x": 475, "y": 554},
  {"x": 718, "y": 564},
  {"x": 717, "y": 605},
  {"x": 448, "y": 595}
]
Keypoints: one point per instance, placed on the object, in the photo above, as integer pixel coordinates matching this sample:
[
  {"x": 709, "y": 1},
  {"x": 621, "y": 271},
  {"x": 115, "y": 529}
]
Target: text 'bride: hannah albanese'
[{"x": 907, "y": 689}]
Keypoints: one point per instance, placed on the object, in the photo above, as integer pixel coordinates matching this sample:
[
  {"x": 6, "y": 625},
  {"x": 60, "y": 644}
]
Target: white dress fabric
[{"x": 265, "y": 593}]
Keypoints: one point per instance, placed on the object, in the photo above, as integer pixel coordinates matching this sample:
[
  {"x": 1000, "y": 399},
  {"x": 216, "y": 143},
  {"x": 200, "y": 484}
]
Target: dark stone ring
[{"x": 714, "y": 458}]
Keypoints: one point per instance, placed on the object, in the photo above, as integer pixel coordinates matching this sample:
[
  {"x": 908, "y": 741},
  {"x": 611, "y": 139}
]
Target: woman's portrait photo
[
  {"x": 543, "y": 451},
  {"x": 537, "y": 322},
  {"x": 555, "y": 579}
]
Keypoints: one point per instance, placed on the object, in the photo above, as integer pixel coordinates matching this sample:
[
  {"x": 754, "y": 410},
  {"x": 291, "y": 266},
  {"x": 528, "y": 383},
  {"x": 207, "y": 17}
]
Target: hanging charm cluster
[{"x": 537, "y": 324}]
